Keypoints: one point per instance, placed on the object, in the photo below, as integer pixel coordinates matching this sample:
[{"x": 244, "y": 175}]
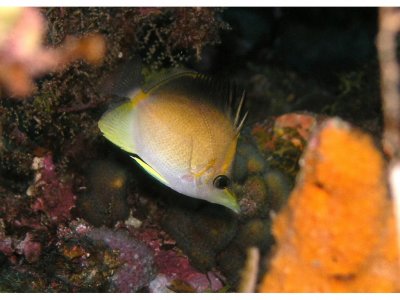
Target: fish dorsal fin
[
  {"x": 158, "y": 79},
  {"x": 123, "y": 80},
  {"x": 240, "y": 117},
  {"x": 117, "y": 125},
  {"x": 221, "y": 93},
  {"x": 150, "y": 170}
]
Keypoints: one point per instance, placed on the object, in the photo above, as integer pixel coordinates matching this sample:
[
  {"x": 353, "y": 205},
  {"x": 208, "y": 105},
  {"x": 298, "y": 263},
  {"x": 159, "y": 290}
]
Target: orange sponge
[{"x": 337, "y": 233}]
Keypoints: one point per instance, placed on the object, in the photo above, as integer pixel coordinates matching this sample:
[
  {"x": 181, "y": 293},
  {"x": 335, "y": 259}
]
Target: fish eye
[{"x": 221, "y": 182}]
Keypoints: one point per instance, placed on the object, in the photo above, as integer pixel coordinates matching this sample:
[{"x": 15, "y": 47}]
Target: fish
[{"x": 182, "y": 128}]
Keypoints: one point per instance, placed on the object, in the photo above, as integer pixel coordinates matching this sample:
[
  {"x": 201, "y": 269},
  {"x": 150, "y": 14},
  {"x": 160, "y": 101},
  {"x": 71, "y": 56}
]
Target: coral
[
  {"x": 100, "y": 259},
  {"x": 174, "y": 270},
  {"x": 30, "y": 248},
  {"x": 282, "y": 139},
  {"x": 135, "y": 260},
  {"x": 337, "y": 232},
  {"x": 82, "y": 265},
  {"x": 21, "y": 230},
  {"x": 22, "y": 55},
  {"x": 12, "y": 247},
  {"x": 303, "y": 123},
  {"x": 53, "y": 196}
]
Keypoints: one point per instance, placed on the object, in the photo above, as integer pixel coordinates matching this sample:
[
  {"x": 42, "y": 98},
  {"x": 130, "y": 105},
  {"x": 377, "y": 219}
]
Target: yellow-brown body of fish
[{"x": 180, "y": 135}]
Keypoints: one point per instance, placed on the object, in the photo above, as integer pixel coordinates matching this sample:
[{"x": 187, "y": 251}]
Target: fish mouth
[{"x": 229, "y": 200}]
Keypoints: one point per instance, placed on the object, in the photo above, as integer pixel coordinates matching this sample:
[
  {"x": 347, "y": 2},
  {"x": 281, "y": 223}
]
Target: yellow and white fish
[{"x": 182, "y": 131}]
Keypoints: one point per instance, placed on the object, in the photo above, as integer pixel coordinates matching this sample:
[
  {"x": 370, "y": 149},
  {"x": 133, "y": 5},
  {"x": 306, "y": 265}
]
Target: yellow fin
[
  {"x": 117, "y": 125},
  {"x": 150, "y": 170}
]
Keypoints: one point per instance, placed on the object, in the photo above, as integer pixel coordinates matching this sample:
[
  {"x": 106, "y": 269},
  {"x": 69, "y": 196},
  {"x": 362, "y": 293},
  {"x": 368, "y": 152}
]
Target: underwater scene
[{"x": 199, "y": 149}]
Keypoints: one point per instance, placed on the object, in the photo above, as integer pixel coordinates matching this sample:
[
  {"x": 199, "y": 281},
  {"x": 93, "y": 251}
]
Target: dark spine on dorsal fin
[{"x": 220, "y": 92}]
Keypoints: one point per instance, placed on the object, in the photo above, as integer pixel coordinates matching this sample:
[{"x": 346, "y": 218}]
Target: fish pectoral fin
[{"x": 150, "y": 170}]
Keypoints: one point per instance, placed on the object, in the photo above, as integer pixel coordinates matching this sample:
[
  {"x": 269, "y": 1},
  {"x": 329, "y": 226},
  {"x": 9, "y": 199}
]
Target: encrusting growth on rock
[{"x": 337, "y": 232}]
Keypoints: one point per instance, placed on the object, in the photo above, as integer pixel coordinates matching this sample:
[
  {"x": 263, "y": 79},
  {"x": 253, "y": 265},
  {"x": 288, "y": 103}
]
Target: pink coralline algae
[
  {"x": 175, "y": 273},
  {"x": 53, "y": 196},
  {"x": 136, "y": 262},
  {"x": 30, "y": 248},
  {"x": 6, "y": 245},
  {"x": 304, "y": 123}
]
